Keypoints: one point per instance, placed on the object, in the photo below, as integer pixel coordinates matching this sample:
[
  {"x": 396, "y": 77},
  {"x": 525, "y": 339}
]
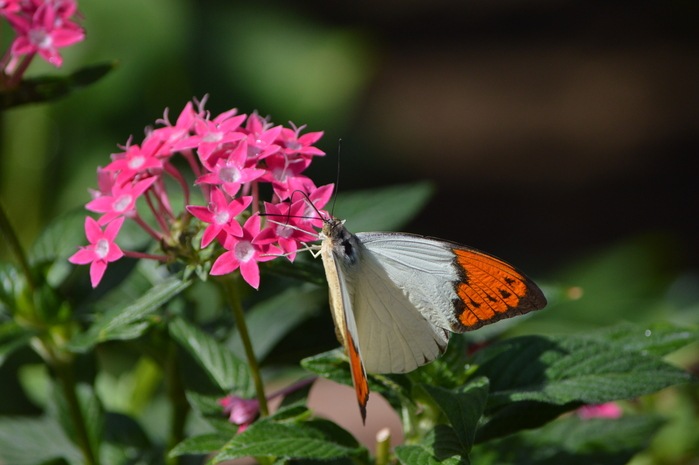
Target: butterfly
[{"x": 397, "y": 297}]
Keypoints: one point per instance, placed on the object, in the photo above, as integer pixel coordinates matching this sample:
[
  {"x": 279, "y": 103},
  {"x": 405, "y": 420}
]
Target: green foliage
[
  {"x": 47, "y": 88},
  {"x": 511, "y": 402}
]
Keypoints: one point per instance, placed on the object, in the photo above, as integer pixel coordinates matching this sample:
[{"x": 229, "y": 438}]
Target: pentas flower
[
  {"x": 243, "y": 412},
  {"x": 7, "y": 7},
  {"x": 221, "y": 215},
  {"x": 229, "y": 157},
  {"x": 120, "y": 202},
  {"x": 288, "y": 228},
  {"x": 608, "y": 410},
  {"x": 230, "y": 171},
  {"x": 261, "y": 137},
  {"x": 245, "y": 252},
  {"x": 211, "y": 135},
  {"x": 101, "y": 250},
  {"x": 294, "y": 143},
  {"x": 46, "y": 30},
  {"x": 136, "y": 160}
]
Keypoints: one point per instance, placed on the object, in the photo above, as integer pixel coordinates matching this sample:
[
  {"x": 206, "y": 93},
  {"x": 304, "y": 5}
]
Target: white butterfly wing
[
  {"x": 394, "y": 336},
  {"x": 423, "y": 269}
]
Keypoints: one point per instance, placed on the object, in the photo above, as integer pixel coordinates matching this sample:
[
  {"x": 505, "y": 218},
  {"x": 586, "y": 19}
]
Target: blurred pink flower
[
  {"x": 46, "y": 30},
  {"x": 607, "y": 410}
]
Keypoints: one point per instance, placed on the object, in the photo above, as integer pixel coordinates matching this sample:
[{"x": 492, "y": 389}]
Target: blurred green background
[{"x": 558, "y": 135}]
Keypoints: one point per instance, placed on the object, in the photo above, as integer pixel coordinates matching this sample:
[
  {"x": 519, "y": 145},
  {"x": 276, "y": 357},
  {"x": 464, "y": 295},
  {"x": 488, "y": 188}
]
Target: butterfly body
[{"x": 396, "y": 297}]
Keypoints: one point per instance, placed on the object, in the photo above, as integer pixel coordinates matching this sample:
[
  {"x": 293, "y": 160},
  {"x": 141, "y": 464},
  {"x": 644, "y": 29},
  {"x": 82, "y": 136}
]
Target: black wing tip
[{"x": 362, "y": 409}]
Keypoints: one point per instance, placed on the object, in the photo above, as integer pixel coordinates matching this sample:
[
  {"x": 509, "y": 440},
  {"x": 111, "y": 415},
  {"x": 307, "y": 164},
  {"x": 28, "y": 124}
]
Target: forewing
[{"x": 453, "y": 286}]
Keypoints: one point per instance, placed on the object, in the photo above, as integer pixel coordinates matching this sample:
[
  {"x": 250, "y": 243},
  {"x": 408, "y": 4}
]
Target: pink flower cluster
[
  {"x": 230, "y": 156},
  {"x": 41, "y": 26}
]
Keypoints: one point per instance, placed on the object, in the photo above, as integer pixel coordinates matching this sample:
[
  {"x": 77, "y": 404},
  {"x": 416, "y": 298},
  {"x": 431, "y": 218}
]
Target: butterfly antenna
[{"x": 337, "y": 181}]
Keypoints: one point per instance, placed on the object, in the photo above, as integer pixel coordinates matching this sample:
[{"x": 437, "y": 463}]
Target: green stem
[
  {"x": 230, "y": 285},
  {"x": 178, "y": 400},
  {"x": 15, "y": 247},
  {"x": 64, "y": 371}
]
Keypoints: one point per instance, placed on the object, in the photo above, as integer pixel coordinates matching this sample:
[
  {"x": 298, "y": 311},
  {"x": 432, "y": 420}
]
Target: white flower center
[
  {"x": 122, "y": 203},
  {"x": 102, "y": 248},
  {"x": 40, "y": 38},
  {"x": 222, "y": 217},
  {"x": 244, "y": 251},
  {"x": 284, "y": 231},
  {"x": 229, "y": 174},
  {"x": 212, "y": 137},
  {"x": 136, "y": 162}
]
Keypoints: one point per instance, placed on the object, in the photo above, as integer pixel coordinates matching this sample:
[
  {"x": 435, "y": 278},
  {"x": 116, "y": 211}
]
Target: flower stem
[
  {"x": 65, "y": 373},
  {"x": 15, "y": 247},
  {"x": 178, "y": 400},
  {"x": 230, "y": 285}
]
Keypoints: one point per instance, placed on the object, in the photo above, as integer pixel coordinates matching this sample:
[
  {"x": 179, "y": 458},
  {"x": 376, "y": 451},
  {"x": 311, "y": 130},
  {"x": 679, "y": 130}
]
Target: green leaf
[
  {"x": 127, "y": 322},
  {"x": 12, "y": 286},
  {"x": 315, "y": 439},
  {"x": 518, "y": 416},
  {"x": 202, "y": 444},
  {"x": 224, "y": 368},
  {"x": 333, "y": 365},
  {"x": 28, "y": 441},
  {"x": 657, "y": 339},
  {"x": 368, "y": 210},
  {"x": 441, "y": 445},
  {"x": 46, "y": 88},
  {"x": 60, "y": 239},
  {"x": 565, "y": 369},
  {"x": 269, "y": 321},
  {"x": 573, "y": 441},
  {"x": 13, "y": 337},
  {"x": 90, "y": 409},
  {"x": 463, "y": 407},
  {"x": 125, "y": 442}
]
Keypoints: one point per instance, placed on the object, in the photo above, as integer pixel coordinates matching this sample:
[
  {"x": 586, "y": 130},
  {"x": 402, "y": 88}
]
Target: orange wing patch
[
  {"x": 361, "y": 385},
  {"x": 492, "y": 290}
]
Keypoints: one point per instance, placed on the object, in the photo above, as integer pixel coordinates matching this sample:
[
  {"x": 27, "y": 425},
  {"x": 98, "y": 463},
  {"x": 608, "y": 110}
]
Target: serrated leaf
[
  {"x": 123, "y": 323},
  {"x": 564, "y": 369},
  {"x": 573, "y": 441},
  {"x": 269, "y": 321},
  {"x": 12, "y": 337},
  {"x": 366, "y": 210},
  {"x": 202, "y": 444},
  {"x": 441, "y": 446},
  {"x": 46, "y": 88},
  {"x": 28, "y": 441},
  {"x": 315, "y": 439},
  {"x": 657, "y": 339},
  {"x": 224, "y": 368},
  {"x": 463, "y": 407}
]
